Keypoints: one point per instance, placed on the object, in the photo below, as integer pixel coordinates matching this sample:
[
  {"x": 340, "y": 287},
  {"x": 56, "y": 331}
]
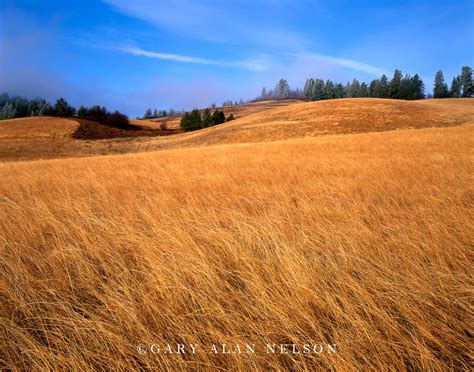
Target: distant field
[
  {"x": 238, "y": 111},
  {"x": 44, "y": 138},
  {"x": 347, "y": 222}
]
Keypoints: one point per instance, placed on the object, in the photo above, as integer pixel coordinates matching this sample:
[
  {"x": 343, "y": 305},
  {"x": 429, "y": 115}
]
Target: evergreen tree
[
  {"x": 455, "y": 90},
  {"x": 363, "y": 90},
  {"x": 330, "y": 90},
  {"x": 263, "y": 95},
  {"x": 155, "y": 113},
  {"x": 97, "y": 113},
  {"x": 339, "y": 91},
  {"x": 206, "y": 118},
  {"x": 44, "y": 109},
  {"x": 282, "y": 90},
  {"x": 418, "y": 88},
  {"x": 82, "y": 112},
  {"x": 440, "y": 89},
  {"x": 347, "y": 90},
  {"x": 7, "y": 111},
  {"x": 406, "y": 90},
  {"x": 374, "y": 88},
  {"x": 231, "y": 117},
  {"x": 308, "y": 89},
  {"x": 148, "y": 114},
  {"x": 353, "y": 88},
  {"x": 218, "y": 117},
  {"x": 384, "y": 89},
  {"x": 62, "y": 108},
  {"x": 185, "y": 123},
  {"x": 466, "y": 81},
  {"x": 395, "y": 84},
  {"x": 195, "y": 119},
  {"x": 319, "y": 90}
]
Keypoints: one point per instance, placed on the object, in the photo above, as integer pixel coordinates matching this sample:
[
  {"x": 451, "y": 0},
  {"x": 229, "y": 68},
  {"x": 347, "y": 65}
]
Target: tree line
[
  {"x": 194, "y": 120},
  {"x": 461, "y": 85},
  {"x": 19, "y": 107},
  {"x": 401, "y": 86},
  {"x": 156, "y": 114},
  {"x": 230, "y": 103}
]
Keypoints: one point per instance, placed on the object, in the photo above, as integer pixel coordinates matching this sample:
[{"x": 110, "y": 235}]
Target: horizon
[{"x": 169, "y": 55}]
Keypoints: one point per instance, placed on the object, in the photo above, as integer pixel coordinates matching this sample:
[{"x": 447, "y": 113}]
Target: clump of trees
[
  {"x": 18, "y": 107},
  {"x": 401, "y": 86},
  {"x": 461, "y": 85},
  {"x": 194, "y": 120},
  {"x": 156, "y": 114},
  {"x": 230, "y": 103},
  {"x": 101, "y": 115},
  {"x": 62, "y": 109}
]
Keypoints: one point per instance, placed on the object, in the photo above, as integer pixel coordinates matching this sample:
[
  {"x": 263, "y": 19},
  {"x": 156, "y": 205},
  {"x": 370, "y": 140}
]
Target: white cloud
[
  {"x": 342, "y": 62},
  {"x": 354, "y": 65},
  {"x": 252, "y": 65}
]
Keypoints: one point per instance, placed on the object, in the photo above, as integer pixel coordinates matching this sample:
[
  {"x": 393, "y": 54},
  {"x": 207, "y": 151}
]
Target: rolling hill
[
  {"x": 359, "y": 241},
  {"x": 345, "y": 223},
  {"x": 43, "y": 138},
  {"x": 238, "y": 111}
]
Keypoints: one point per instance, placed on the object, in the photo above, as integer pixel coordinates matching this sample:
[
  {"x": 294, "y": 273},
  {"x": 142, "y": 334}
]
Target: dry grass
[
  {"x": 45, "y": 138},
  {"x": 238, "y": 111},
  {"x": 363, "y": 241},
  {"x": 342, "y": 116}
]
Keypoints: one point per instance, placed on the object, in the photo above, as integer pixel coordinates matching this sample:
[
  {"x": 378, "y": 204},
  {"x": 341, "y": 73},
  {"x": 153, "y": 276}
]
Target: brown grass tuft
[{"x": 361, "y": 241}]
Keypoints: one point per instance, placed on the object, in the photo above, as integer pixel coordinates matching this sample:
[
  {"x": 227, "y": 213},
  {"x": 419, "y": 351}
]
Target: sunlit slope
[
  {"x": 361, "y": 240},
  {"x": 36, "y": 138},
  {"x": 238, "y": 111},
  {"x": 342, "y": 116}
]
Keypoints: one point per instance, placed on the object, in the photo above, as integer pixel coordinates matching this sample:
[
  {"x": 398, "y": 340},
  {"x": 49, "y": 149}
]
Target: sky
[{"x": 131, "y": 55}]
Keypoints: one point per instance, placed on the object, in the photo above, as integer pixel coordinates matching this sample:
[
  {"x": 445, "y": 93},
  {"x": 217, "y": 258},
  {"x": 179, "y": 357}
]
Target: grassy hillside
[
  {"x": 238, "y": 111},
  {"x": 360, "y": 240},
  {"x": 43, "y": 138}
]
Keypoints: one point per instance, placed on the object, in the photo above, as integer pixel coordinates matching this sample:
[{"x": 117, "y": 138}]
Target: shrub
[
  {"x": 101, "y": 115},
  {"x": 231, "y": 117},
  {"x": 218, "y": 117},
  {"x": 117, "y": 120}
]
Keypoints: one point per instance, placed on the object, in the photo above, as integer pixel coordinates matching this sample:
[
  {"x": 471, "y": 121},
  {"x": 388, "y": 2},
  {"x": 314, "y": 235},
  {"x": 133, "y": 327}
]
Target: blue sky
[{"x": 130, "y": 55}]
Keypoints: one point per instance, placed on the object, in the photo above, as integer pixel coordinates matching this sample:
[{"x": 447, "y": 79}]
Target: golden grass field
[{"x": 357, "y": 234}]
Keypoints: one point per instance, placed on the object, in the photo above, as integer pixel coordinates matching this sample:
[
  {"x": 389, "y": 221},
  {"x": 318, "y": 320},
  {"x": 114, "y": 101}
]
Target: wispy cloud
[
  {"x": 353, "y": 65},
  {"x": 342, "y": 62},
  {"x": 228, "y": 22},
  {"x": 167, "y": 56},
  {"x": 252, "y": 65}
]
